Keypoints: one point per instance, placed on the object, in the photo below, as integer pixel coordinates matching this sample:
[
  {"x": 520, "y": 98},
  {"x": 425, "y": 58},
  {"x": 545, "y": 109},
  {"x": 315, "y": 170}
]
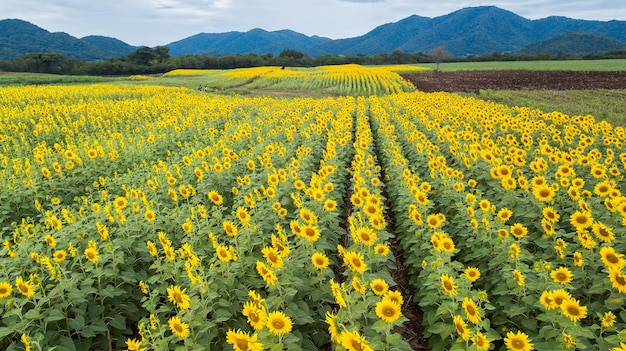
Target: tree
[
  {"x": 291, "y": 53},
  {"x": 437, "y": 54}
]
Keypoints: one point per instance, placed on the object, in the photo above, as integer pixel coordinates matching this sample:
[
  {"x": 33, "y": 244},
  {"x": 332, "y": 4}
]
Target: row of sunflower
[
  {"x": 350, "y": 79},
  {"x": 190, "y": 220},
  {"x": 540, "y": 224},
  {"x": 368, "y": 309},
  {"x": 161, "y": 218}
]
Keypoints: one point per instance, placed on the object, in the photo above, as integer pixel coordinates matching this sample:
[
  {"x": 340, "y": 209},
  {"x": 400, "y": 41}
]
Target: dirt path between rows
[{"x": 474, "y": 81}]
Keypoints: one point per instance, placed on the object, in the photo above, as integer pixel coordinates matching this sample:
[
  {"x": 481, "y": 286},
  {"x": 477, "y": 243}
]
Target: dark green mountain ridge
[{"x": 468, "y": 31}]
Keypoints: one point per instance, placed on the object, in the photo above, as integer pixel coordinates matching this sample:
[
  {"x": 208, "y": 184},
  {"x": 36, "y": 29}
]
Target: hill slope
[
  {"x": 468, "y": 31},
  {"x": 576, "y": 43},
  {"x": 18, "y": 38},
  {"x": 472, "y": 30}
]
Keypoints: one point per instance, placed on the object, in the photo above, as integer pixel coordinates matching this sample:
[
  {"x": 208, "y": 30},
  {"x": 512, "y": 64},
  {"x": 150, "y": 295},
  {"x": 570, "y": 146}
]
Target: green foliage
[
  {"x": 607, "y": 105},
  {"x": 576, "y": 43}
]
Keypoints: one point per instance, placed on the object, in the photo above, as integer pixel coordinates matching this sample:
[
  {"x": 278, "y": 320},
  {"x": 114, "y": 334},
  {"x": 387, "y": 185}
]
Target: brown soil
[{"x": 474, "y": 81}]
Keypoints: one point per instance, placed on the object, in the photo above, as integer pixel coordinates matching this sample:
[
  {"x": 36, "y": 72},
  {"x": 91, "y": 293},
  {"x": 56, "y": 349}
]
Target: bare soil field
[{"x": 474, "y": 81}]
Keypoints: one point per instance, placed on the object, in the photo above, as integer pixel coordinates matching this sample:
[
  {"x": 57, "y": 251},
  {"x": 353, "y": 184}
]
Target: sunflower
[
  {"x": 371, "y": 209},
  {"x": 223, "y": 253},
  {"x": 319, "y": 260},
  {"x": 610, "y": 258},
  {"x": 178, "y": 328},
  {"x": 5, "y": 289},
  {"x": 307, "y": 216},
  {"x": 134, "y": 345},
  {"x": 472, "y": 273},
  {"x": 543, "y": 193},
  {"x": 481, "y": 342},
  {"x": 504, "y": 214},
  {"x": 333, "y": 330},
  {"x": 581, "y": 219},
  {"x": 273, "y": 257},
  {"x": 243, "y": 215},
  {"x": 366, "y": 235},
  {"x": 471, "y": 310},
  {"x": 310, "y": 233},
  {"x": 518, "y": 230},
  {"x": 550, "y": 214},
  {"x": 337, "y": 290},
  {"x": 394, "y": 296},
  {"x": 242, "y": 341},
  {"x": 388, "y": 311},
  {"x": 560, "y": 295},
  {"x": 447, "y": 283},
  {"x": 177, "y": 296},
  {"x": 518, "y": 342},
  {"x": 381, "y": 249},
  {"x": 377, "y": 222},
  {"x": 92, "y": 254},
  {"x": 50, "y": 240},
  {"x": 602, "y": 188},
  {"x": 547, "y": 300},
  {"x": 278, "y": 323},
  {"x": 461, "y": 328},
  {"x": 59, "y": 255},
  {"x": 608, "y": 319},
  {"x": 379, "y": 287},
  {"x": 433, "y": 221},
  {"x": 518, "y": 276},
  {"x": 120, "y": 202},
  {"x": 330, "y": 205},
  {"x": 257, "y": 317},
  {"x": 215, "y": 197},
  {"x": 568, "y": 341},
  {"x": 266, "y": 273},
  {"x": 572, "y": 309},
  {"x": 299, "y": 184},
  {"x": 353, "y": 341},
  {"x": 618, "y": 280},
  {"x": 358, "y": 285},
  {"x": 355, "y": 261},
  {"x": 230, "y": 228},
  {"x": 622, "y": 347},
  {"x": 447, "y": 245},
  {"x": 602, "y": 232},
  {"x": 187, "y": 226},
  {"x": 561, "y": 275}
]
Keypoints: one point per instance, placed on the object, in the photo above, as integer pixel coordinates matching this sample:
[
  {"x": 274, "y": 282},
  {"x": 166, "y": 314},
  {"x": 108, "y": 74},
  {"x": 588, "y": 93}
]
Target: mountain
[
  {"x": 111, "y": 46},
  {"x": 255, "y": 41},
  {"x": 18, "y": 38},
  {"x": 576, "y": 43},
  {"x": 468, "y": 31}
]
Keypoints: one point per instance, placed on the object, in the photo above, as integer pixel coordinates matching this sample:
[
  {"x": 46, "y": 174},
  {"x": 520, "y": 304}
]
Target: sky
[{"x": 160, "y": 22}]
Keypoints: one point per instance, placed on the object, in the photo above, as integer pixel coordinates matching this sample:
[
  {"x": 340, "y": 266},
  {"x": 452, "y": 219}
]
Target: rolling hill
[
  {"x": 468, "y": 31},
  {"x": 575, "y": 43},
  {"x": 18, "y": 38}
]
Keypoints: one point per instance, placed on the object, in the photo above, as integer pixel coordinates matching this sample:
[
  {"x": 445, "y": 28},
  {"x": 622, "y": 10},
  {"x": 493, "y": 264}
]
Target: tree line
[{"x": 147, "y": 60}]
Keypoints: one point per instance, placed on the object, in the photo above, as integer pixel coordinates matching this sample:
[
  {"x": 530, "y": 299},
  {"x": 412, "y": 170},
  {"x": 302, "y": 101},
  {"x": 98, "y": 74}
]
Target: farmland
[{"x": 156, "y": 216}]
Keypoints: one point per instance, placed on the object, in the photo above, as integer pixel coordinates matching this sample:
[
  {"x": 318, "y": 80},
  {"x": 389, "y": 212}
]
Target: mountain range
[{"x": 468, "y": 31}]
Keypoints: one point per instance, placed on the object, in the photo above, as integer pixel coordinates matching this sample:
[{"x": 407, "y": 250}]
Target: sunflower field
[{"x": 147, "y": 217}]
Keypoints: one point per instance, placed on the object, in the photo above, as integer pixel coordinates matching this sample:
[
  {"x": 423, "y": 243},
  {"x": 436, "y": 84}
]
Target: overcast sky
[{"x": 160, "y": 22}]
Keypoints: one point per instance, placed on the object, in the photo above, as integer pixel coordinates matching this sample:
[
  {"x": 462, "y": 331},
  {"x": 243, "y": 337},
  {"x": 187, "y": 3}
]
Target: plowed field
[{"x": 474, "y": 81}]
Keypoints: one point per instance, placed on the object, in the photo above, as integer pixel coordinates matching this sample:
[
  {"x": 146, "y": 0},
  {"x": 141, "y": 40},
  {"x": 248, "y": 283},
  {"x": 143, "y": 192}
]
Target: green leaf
[
  {"x": 32, "y": 314},
  {"x": 118, "y": 322},
  {"x": 54, "y": 315},
  {"x": 4, "y": 331},
  {"x": 77, "y": 323},
  {"x": 65, "y": 344}
]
